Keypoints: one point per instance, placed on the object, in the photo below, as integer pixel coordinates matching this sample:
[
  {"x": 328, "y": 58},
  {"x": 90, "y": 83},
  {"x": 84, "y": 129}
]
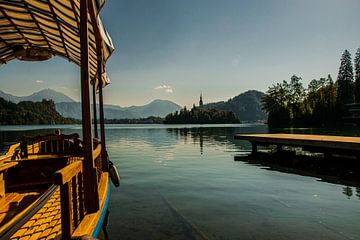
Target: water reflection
[
  {"x": 216, "y": 136},
  {"x": 348, "y": 191},
  {"x": 179, "y": 178}
]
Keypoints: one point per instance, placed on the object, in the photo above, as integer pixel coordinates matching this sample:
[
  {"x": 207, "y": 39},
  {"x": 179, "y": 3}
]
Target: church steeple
[{"x": 201, "y": 101}]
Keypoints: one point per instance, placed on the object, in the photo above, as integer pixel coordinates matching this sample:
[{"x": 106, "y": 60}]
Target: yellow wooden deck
[
  {"x": 14, "y": 204},
  {"x": 45, "y": 224},
  {"x": 304, "y": 140}
]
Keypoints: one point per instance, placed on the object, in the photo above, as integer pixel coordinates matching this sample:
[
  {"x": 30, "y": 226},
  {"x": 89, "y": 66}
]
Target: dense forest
[
  {"x": 28, "y": 112},
  {"x": 323, "y": 103},
  {"x": 148, "y": 120},
  {"x": 201, "y": 116}
]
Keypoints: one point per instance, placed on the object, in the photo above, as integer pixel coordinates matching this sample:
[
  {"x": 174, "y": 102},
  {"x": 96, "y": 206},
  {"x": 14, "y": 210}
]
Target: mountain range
[
  {"x": 68, "y": 107},
  {"x": 38, "y": 96},
  {"x": 247, "y": 106},
  {"x": 156, "y": 108}
]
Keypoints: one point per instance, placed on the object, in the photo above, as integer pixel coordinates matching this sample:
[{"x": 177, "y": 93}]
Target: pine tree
[
  {"x": 345, "y": 81},
  {"x": 357, "y": 76}
]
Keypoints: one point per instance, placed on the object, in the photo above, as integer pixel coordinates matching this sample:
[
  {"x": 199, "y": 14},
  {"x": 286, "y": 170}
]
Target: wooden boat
[{"x": 57, "y": 186}]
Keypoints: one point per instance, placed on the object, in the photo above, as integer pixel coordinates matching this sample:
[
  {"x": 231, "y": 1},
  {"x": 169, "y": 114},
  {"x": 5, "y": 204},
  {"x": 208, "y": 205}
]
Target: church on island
[
  {"x": 200, "y": 102},
  {"x": 201, "y": 115}
]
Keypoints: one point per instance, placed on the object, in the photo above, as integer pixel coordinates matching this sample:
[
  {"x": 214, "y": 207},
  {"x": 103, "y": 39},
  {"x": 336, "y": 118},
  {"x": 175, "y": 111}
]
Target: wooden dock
[{"x": 317, "y": 143}]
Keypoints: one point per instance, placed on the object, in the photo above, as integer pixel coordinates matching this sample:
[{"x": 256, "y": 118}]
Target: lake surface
[{"x": 181, "y": 182}]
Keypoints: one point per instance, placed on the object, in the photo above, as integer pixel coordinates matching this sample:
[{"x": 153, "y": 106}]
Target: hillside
[
  {"x": 27, "y": 112},
  {"x": 247, "y": 106},
  {"x": 157, "y": 108},
  {"x": 38, "y": 96},
  {"x": 73, "y": 110}
]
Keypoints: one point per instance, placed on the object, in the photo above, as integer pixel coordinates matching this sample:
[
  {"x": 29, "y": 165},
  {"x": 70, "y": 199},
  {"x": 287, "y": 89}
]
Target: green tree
[
  {"x": 275, "y": 104},
  {"x": 357, "y": 76},
  {"x": 345, "y": 82}
]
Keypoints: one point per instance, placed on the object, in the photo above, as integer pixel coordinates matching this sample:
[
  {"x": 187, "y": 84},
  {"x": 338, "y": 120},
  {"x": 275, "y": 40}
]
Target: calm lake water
[{"x": 181, "y": 182}]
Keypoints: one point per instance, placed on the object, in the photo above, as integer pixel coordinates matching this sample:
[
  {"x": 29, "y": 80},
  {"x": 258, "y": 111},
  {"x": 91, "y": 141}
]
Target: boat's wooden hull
[{"x": 59, "y": 213}]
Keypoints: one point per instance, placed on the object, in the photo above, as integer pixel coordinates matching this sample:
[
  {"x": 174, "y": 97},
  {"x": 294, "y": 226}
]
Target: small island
[{"x": 200, "y": 115}]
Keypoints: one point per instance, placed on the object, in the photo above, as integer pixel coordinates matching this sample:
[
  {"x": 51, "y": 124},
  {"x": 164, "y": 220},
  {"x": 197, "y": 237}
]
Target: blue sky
[{"x": 174, "y": 50}]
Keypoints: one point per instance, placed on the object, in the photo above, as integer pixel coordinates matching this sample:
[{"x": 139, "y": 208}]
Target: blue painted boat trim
[{"x": 103, "y": 213}]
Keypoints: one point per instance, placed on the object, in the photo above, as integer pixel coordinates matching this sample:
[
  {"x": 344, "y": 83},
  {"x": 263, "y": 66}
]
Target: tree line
[
  {"x": 323, "y": 103},
  {"x": 201, "y": 116},
  {"x": 28, "y": 112}
]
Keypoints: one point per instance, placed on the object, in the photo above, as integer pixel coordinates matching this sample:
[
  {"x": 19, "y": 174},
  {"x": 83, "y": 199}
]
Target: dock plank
[{"x": 304, "y": 140}]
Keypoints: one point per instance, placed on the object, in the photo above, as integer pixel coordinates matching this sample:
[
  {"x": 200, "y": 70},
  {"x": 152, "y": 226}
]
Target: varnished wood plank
[
  {"x": 7, "y": 165},
  {"x": 43, "y": 225},
  {"x": 21, "y": 209},
  {"x": 67, "y": 173},
  {"x": 66, "y": 208},
  {"x": 97, "y": 151},
  {"x": 10, "y": 152},
  {"x": 321, "y": 141},
  {"x": 3, "y": 168}
]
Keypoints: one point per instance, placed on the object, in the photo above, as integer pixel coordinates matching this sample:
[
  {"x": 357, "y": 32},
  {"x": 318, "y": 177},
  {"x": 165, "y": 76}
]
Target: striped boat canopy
[{"x": 36, "y": 30}]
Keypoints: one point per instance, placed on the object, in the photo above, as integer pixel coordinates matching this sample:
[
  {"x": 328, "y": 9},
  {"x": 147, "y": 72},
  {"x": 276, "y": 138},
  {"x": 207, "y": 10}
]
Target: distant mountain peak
[{"x": 38, "y": 96}]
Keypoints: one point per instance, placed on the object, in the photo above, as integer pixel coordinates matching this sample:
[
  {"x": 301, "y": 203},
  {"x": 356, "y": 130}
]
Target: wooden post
[
  {"x": 104, "y": 156},
  {"x": 94, "y": 109},
  {"x": 254, "y": 148},
  {"x": 2, "y": 185},
  {"x": 90, "y": 183},
  {"x": 66, "y": 221}
]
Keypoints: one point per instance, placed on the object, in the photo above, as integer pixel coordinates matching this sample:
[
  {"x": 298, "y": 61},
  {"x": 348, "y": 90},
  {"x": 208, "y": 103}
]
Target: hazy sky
[{"x": 175, "y": 49}]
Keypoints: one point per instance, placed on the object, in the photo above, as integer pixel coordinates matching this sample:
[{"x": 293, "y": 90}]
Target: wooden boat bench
[
  {"x": 59, "y": 144},
  {"x": 3, "y": 168}
]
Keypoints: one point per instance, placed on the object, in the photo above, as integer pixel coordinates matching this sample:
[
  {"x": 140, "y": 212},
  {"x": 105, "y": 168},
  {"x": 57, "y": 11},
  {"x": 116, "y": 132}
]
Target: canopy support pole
[
  {"x": 94, "y": 109},
  {"x": 105, "y": 159},
  {"x": 90, "y": 182}
]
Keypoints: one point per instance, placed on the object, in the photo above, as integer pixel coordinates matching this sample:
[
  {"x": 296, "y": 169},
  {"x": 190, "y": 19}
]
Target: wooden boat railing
[
  {"x": 51, "y": 143},
  {"x": 70, "y": 180}
]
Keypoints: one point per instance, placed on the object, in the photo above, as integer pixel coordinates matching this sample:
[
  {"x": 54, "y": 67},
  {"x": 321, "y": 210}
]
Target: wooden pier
[{"x": 317, "y": 143}]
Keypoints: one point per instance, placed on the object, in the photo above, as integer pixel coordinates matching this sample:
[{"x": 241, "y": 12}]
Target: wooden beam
[
  {"x": 76, "y": 16},
  {"x": 99, "y": 41},
  {"x": 67, "y": 173},
  {"x": 94, "y": 108},
  {"x": 90, "y": 183},
  {"x": 38, "y": 25},
  {"x": 105, "y": 162},
  {"x": 59, "y": 28},
  {"x": 66, "y": 211},
  {"x": 15, "y": 26}
]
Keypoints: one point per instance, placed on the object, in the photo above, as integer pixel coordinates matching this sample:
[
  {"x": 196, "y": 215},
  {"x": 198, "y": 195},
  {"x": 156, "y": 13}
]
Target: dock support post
[
  {"x": 90, "y": 183},
  {"x": 254, "y": 148}
]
